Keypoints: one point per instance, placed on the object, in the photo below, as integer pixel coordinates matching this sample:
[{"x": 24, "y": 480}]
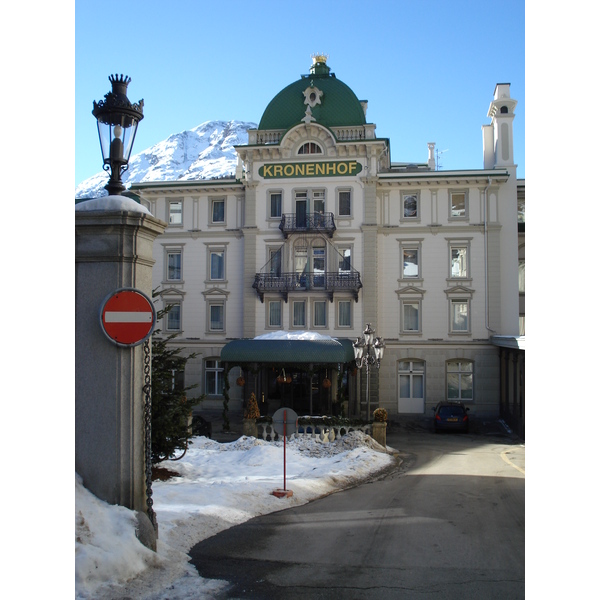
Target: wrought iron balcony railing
[
  {"x": 328, "y": 282},
  {"x": 310, "y": 222}
]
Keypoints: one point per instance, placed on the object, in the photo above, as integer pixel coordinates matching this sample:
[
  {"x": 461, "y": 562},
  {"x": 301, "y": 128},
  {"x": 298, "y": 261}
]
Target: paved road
[{"x": 448, "y": 523}]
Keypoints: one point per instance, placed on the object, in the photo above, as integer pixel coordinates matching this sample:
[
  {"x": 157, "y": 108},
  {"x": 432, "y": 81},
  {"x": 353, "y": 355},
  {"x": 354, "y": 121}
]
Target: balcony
[
  {"x": 307, "y": 223},
  {"x": 328, "y": 282}
]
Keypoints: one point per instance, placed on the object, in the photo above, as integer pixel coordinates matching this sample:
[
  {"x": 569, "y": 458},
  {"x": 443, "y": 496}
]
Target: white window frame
[
  {"x": 172, "y": 219},
  {"x": 411, "y": 372},
  {"x": 214, "y": 250},
  {"x": 453, "y": 303},
  {"x": 404, "y": 197},
  {"x": 314, "y": 313},
  {"x": 410, "y": 246},
  {"x": 270, "y": 195},
  {"x": 211, "y": 207},
  {"x": 173, "y": 252},
  {"x": 293, "y": 303},
  {"x": 219, "y": 376},
  {"x": 341, "y": 259},
  {"x": 462, "y": 373},
  {"x": 465, "y": 211},
  {"x": 270, "y": 323},
  {"x": 459, "y": 244},
  {"x": 210, "y": 305},
  {"x": 168, "y": 325},
  {"x": 338, "y": 313},
  {"x": 338, "y": 192},
  {"x": 403, "y": 321}
]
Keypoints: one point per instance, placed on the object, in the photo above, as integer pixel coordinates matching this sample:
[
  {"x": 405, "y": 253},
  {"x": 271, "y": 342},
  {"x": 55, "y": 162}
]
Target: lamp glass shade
[
  {"x": 359, "y": 348},
  {"x": 116, "y": 139}
]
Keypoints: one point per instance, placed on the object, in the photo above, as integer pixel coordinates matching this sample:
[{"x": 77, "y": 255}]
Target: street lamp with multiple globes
[
  {"x": 118, "y": 120},
  {"x": 368, "y": 351}
]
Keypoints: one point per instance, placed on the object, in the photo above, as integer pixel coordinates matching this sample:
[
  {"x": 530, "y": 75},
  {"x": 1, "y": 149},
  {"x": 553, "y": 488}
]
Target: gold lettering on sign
[{"x": 310, "y": 169}]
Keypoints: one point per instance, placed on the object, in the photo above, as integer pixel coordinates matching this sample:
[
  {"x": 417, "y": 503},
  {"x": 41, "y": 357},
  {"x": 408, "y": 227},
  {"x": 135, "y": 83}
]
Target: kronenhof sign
[{"x": 332, "y": 168}]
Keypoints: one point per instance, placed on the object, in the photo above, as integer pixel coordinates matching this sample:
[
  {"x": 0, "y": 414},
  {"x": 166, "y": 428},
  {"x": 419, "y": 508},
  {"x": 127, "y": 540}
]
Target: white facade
[{"x": 435, "y": 254}]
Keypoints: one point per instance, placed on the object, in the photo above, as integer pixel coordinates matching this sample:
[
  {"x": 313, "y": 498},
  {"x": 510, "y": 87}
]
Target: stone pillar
[
  {"x": 114, "y": 236},
  {"x": 379, "y": 432}
]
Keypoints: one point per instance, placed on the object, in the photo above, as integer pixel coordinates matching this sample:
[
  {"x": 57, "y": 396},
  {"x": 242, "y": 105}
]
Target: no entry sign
[{"x": 127, "y": 317}]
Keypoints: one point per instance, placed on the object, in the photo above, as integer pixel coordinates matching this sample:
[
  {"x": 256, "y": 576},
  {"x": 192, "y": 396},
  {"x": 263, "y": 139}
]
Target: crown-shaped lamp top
[{"x": 319, "y": 66}]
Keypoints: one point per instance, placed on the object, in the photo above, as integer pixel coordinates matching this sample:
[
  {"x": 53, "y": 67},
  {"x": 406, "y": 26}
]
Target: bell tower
[{"x": 498, "y": 135}]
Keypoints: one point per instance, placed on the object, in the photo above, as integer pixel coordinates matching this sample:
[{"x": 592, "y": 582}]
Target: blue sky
[{"x": 428, "y": 69}]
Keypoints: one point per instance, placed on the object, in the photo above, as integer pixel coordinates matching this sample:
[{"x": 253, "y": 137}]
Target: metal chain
[{"x": 148, "y": 431}]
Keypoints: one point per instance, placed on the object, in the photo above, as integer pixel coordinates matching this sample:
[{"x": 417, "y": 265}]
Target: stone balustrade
[{"x": 321, "y": 432}]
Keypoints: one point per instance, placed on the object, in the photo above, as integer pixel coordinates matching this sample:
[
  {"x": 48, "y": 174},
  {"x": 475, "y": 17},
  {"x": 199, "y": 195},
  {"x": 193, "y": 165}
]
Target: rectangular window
[
  {"x": 174, "y": 318},
  {"x": 344, "y": 203},
  {"x": 176, "y": 212},
  {"x": 459, "y": 316},
  {"x": 275, "y": 262},
  {"x": 344, "y": 313},
  {"x": 318, "y": 201},
  {"x": 459, "y": 377},
  {"x": 345, "y": 259},
  {"x": 410, "y": 206},
  {"x": 410, "y": 263},
  {"x": 459, "y": 266},
  {"x": 217, "y": 265},
  {"x": 213, "y": 374},
  {"x": 299, "y": 317},
  {"x": 174, "y": 266},
  {"x": 410, "y": 317},
  {"x": 411, "y": 386},
  {"x": 318, "y": 266},
  {"x": 275, "y": 313},
  {"x": 275, "y": 202},
  {"x": 301, "y": 263},
  {"x": 320, "y": 313},
  {"x": 218, "y": 211},
  {"x": 458, "y": 205},
  {"x": 217, "y": 317}
]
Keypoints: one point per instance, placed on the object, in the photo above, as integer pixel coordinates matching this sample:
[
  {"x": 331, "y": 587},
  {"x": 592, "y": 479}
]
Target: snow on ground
[{"x": 219, "y": 485}]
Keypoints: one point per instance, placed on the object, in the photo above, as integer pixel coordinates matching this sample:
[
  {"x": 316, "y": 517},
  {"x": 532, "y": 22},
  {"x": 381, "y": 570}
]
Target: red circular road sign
[{"x": 127, "y": 317}]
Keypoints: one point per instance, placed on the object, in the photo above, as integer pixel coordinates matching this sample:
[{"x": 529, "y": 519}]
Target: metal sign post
[{"x": 285, "y": 422}]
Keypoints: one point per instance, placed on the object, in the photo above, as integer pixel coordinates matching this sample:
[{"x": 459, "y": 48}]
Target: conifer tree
[{"x": 171, "y": 408}]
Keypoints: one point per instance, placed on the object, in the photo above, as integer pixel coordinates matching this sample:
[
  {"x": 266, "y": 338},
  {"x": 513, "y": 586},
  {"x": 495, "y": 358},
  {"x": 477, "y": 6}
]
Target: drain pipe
[{"x": 485, "y": 255}]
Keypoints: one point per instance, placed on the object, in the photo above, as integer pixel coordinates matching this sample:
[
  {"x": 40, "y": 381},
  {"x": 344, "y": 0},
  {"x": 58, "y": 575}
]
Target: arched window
[{"x": 310, "y": 148}]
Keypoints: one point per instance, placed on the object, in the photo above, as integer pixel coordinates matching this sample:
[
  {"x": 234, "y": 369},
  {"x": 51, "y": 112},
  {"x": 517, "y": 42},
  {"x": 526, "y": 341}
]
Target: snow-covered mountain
[{"x": 204, "y": 152}]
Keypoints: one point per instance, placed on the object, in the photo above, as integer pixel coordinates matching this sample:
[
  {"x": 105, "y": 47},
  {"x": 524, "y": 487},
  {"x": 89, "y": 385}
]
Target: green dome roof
[{"x": 338, "y": 106}]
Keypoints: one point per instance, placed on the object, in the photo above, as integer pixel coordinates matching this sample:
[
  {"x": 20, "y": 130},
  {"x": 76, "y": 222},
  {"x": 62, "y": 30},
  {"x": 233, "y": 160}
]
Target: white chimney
[{"x": 431, "y": 159}]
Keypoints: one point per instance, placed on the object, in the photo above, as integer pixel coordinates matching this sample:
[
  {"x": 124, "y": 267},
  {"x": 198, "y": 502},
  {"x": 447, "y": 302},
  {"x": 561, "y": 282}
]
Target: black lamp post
[
  {"x": 118, "y": 120},
  {"x": 368, "y": 351}
]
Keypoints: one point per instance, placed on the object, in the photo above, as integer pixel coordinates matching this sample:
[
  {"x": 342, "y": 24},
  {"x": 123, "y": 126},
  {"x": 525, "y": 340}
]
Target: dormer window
[{"x": 310, "y": 148}]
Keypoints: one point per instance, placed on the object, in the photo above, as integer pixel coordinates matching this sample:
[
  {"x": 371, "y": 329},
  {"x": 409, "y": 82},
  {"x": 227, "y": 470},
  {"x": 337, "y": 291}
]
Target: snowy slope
[{"x": 204, "y": 152}]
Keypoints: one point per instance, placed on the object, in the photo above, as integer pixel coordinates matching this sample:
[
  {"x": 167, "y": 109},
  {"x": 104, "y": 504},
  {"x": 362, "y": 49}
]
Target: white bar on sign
[{"x": 127, "y": 317}]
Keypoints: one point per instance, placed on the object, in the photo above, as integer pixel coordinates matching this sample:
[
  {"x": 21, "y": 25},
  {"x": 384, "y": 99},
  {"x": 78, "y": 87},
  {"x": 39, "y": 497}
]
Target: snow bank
[{"x": 217, "y": 486}]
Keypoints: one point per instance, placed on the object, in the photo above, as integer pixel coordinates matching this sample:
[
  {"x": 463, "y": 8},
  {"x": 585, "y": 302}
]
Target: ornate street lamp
[
  {"x": 118, "y": 120},
  {"x": 368, "y": 351}
]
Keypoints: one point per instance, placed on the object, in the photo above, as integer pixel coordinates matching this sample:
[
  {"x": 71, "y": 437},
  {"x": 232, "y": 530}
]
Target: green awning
[{"x": 284, "y": 352}]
